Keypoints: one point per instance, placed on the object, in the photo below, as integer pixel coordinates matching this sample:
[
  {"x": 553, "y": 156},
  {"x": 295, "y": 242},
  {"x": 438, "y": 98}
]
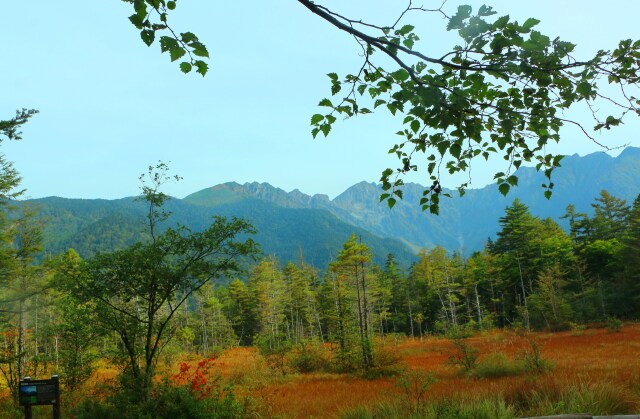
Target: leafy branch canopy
[{"x": 504, "y": 89}]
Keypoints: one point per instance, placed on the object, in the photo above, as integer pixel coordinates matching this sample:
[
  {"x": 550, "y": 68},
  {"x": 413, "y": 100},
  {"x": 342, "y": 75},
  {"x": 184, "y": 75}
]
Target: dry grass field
[
  {"x": 592, "y": 370},
  {"x": 592, "y": 361}
]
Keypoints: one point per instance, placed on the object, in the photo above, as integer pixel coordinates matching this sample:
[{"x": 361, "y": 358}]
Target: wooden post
[
  {"x": 27, "y": 408},
  {"x": 56, "y": 402}
]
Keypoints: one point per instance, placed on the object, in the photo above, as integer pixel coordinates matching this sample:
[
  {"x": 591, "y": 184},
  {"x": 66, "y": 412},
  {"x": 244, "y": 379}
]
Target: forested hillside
[
  {"x": 290, "y": 234},
  {"x": 294, "y": 225}
]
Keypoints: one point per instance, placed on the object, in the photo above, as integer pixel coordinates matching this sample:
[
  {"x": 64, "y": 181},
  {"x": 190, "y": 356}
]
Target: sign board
[{"x": 39, "y": 392}]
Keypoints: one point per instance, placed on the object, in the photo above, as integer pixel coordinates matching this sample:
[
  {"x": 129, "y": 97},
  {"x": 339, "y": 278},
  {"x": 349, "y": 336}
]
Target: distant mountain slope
[
  {"x": 316, "y": 235},
  {"x": 292, "y": 223},
  {"x": 464, "y": 223}
]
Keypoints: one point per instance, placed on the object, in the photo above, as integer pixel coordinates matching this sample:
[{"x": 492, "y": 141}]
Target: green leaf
[
  {"x": 408, "y": 43},
  {"x": 405, "y": 30},
  {"x": 315, "y": 119},
  {"x": 148, "y": 36},
  {"x": 177, "y": 53},
  {"x": 530, "y": 23},
  {"x": 188, "y": 37},
  {"x": 547, "y": 194},
  {"x": 137, "y": 20},
  {"x": 199, "y": 48},
  {"x": 415, "y": 125},
  {"x": 584, "y": 89},
  {"x": 384, "y": 196},
  {"x": 504, "y": 188},
  {"x": 325, "y": 129},
  {"x": 171, "y": 5},
  {"x": 501, "y": 22},
  {"x": 442, "y": 147},
  {"x": 455, "y": 150},
  {"x": 202, "y": 67},
  {"x": 167, "y": 43},
  {"x": 486, "y": 11},
  {"x": 400, "y": 75},
  {"x": 325, "y": 102},
  {"x": 391, "y": 202},
  {"x": 201, "y": 52},
  {"x": 457, "y": 20},
  {"x": 185, "y": 67}
]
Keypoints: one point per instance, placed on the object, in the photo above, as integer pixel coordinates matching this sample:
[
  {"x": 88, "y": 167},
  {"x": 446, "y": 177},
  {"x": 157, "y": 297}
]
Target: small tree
[{"x": 137, "y": 291}]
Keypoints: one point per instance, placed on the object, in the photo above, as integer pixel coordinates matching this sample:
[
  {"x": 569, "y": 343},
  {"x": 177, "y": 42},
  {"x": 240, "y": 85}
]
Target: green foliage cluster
[
  {"x": 502, "y": 90},
  {"x": 151, "y": 17},
  {"x": 166, "y": 401},
  {"x": 464, "y": 355},
  {"x": 309, "y": 357},
  {"x": 533, "y": 360},
  {"x": 497, "y": 365}
]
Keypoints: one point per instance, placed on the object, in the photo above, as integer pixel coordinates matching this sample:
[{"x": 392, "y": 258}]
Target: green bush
[
  {"x": 533, "y": 361},
  {"x": 309, "y": 356},
  {"x": 464, "y": 355},
  {"x": 577, "y": 329},
  {"x": 165, "y": 401},
  {"x": 386, "y": 363},
  {"x": 614, "y": 325},
  {"x": 275, "y": 350},
  {"x": 497, "y": 365}
]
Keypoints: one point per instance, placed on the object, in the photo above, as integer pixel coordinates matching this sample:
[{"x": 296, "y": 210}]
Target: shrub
[
  {"x": 533, "y": 361},
  {"x": 415, "y": 383},
  {"x": 497, "y": 365},
  {"x": 192, "y": 393},
  {"x": 614, "y": 325},
  {"x": 577, "y": 329},
  {"x": 254, "y": 374},
  {"x": 310, "y": 356},
  {"x": 460, "y": 332},
  {"x": 464, "y": 355},
  {"x": 275, "y": 350},
  {"x": 386, "y": 363}
]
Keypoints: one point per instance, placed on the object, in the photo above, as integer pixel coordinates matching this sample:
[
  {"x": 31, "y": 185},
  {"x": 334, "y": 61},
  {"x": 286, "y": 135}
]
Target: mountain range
[{"x": 293, "y": 225}]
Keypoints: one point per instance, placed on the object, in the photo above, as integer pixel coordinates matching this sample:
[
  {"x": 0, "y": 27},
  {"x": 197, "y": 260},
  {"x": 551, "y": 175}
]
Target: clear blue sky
[{"x": 110, "y": 106}]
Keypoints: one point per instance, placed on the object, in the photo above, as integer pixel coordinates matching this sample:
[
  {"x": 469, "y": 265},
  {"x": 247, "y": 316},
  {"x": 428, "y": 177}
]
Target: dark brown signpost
[{"x": 40, "y": 392}]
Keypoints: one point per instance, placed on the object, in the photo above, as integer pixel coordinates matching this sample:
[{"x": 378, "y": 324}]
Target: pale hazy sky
[{"x": 110, "y": 106}]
